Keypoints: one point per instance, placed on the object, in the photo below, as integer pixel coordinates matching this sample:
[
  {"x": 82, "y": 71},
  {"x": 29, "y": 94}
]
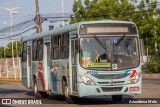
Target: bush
[{"x": 153, "y": 66}]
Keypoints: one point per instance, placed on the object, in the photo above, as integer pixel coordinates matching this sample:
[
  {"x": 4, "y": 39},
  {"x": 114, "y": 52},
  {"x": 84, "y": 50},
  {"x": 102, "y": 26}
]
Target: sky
[{"x": 27, "y": 9}]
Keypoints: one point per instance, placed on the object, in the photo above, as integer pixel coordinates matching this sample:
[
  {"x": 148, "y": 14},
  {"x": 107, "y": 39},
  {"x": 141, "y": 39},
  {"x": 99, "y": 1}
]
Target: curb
[{"x": 10, "y": 80}]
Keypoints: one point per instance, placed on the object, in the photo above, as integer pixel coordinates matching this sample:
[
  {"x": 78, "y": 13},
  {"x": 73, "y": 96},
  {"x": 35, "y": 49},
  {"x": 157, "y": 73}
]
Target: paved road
[{"x": 151, "y": 89}]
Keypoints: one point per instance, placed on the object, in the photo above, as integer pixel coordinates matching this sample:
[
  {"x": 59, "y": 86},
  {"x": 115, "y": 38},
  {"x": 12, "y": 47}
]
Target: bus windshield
[{"x": 109, "y": 53}]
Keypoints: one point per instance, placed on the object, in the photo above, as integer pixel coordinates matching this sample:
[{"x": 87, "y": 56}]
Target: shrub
[{"x": 153, "y": 66}]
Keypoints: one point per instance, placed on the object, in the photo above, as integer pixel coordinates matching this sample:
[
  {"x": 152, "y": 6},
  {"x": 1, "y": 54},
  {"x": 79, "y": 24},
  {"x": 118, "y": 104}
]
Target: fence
[{"x": 7, "y": 68}]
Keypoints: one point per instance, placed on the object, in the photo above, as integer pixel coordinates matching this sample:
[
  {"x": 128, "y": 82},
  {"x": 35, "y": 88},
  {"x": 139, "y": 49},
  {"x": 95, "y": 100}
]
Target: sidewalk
[
  {"x": 146, "y": 75},
  {"x": 10, "y": 80}
]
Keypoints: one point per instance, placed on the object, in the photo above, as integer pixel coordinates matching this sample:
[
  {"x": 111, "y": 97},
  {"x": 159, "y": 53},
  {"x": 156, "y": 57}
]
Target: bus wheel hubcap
[
  {"x": 66, "y": 91},
  {"x": 35, "y": 88}
]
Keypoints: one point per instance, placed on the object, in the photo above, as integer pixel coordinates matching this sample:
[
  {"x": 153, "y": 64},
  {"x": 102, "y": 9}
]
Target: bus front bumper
[{"x": 93, "y": 90}]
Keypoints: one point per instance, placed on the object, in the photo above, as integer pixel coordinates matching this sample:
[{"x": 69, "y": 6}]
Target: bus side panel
[
  {"x": 46, "y": 66},
  {"x": 29, "y": 61},
  {"x": 24, "y": 74},
  {"x": 55, "y": 65},
  {"x": 65, "y": 72},
  {"x": 26, "y": 70},
  {"x": 37, "y": 70},
  {"x": 58, "y": 70}
]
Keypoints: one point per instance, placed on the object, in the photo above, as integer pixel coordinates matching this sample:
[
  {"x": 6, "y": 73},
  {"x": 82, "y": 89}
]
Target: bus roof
[{"x": 71, "y": 27}]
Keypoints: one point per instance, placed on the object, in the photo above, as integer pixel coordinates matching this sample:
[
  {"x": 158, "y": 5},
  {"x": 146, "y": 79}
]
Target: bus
[{"x": 93, "y": 58}]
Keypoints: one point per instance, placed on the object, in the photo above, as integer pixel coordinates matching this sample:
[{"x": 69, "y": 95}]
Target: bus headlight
[
  {"x": 134, "y": 79},
  {"x": 86, "y": 80}
]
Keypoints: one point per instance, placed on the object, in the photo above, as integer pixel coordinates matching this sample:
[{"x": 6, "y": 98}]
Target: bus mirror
[{"x": 142, "y": 52}]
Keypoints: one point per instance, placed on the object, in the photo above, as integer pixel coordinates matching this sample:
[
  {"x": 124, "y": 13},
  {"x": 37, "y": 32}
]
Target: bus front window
[
  {"x": 109, "y": 53},
  {"x": 125, "y": 53},
  {"x": 93, "y": 55}
]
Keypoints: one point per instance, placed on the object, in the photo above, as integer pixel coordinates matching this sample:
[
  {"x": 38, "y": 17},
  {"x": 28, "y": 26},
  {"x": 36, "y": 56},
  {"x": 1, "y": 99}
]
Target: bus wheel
[
  {"x": 36, "y": 92},
  {"x": 65, "y": 92},
  {"x": 117, "y": 98},
  {"x": 44, "y": 94}
]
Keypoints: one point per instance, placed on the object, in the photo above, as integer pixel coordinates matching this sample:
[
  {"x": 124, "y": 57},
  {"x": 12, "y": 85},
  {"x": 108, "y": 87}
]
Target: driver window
[{"x": 85, "y": 52}]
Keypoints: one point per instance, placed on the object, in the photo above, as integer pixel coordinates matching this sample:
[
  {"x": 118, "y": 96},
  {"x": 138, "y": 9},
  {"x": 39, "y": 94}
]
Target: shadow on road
[
  {"x": 5, "y": 106},
  {"x": 30, "y": 93},
  {"x": 100, "y": 100},
  {"x": 12, "y": 91},
  {"x": 59, "y": 99}
]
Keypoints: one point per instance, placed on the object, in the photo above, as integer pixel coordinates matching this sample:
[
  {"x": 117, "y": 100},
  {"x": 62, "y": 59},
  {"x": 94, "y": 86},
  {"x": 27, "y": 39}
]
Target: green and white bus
[{"x": 84, "y": 59}]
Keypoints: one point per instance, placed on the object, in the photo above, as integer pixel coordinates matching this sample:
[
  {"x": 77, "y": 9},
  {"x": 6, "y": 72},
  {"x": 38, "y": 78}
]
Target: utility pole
[
  {"x": 62, "y": 13},
  {"x": 38, "y": 18}
]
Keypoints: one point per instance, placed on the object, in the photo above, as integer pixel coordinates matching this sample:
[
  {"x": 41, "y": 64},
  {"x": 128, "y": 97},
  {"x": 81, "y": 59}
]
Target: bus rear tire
[
  {"x": 36, "y": 92},
  {"x": 117, "y": 98},
  {"x": 68, "y": 98}
]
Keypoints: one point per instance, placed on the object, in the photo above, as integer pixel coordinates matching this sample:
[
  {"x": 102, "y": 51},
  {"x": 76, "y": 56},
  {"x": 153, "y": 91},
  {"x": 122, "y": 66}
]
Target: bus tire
[
  {"x": 117, "y": 98},
  {"x": 35, "y": 89},
  {"x": 44, "y": 94},
  {"x": 68, "y": 98}
]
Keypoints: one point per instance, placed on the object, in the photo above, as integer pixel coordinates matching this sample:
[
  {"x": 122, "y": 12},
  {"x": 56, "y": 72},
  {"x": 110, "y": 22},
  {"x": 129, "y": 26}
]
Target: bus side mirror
[{"x": 144, "y": 57}]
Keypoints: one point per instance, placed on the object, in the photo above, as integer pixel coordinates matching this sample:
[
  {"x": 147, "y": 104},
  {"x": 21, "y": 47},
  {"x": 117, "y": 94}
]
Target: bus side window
[
  {"x": 56, "y": 47},
  {"x": 24, "y": 52},
  {"x": 65, "y": 46},
  {"x": 40, "y": 50},
  {"x": 34, "y": 50}
]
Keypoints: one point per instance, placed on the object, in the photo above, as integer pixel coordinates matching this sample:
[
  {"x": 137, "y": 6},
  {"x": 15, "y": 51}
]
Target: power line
[{"x": 19, "y": 33}]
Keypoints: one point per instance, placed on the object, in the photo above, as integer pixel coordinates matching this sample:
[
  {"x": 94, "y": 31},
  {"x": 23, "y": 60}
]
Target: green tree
[
  {"x": 1, "y": 52},
  {"x": 148, "y": 24},
  {"x": 102, "y": 9},
  {"x": 8, "y": 50},
  {"x": 79, "y": 12}
]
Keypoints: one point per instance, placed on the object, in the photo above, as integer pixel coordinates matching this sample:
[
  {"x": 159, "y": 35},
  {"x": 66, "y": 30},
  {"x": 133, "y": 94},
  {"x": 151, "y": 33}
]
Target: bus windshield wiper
[
  {"x": 99, "y": 41},
  {"x": 120, "y": 40}
]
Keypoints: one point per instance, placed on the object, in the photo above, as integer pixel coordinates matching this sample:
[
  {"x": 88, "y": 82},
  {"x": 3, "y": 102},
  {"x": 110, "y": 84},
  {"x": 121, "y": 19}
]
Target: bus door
[
  {"x": 29, "y": 63},
  {"x": 46, "y": 62},
  {"x": 73, "y": 67}
]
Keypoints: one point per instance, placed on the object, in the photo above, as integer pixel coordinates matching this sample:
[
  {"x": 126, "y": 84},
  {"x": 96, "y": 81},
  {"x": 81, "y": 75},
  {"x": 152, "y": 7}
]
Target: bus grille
[
  {"x": 115, "y": 82},
  {"x": 111, "y": 89},
  {"x": 110, "y": 76}
]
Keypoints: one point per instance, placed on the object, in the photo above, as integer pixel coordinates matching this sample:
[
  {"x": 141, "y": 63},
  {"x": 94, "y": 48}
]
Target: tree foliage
[{"x": 8, "y": 50}]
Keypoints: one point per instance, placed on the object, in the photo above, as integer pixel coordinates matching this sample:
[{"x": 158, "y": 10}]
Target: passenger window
[
  {"x": 24, "y": 52},
  {"x": 56, "y": 47},
  {"x": 40, "y": 50},
  {"x": 65, "y": 46},
  {"x": 34, "y": 50}
]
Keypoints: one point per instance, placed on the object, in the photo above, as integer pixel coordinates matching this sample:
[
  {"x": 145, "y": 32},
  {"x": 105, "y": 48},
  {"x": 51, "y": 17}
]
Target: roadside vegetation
[{"x": 153, "y": 66}]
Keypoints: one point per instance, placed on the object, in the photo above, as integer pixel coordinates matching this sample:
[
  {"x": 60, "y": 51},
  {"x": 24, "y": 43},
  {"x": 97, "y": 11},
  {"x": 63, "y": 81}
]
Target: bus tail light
[
  {"x": 134, "y": 78},
  {"x": 86, "y": 80},
  {"x": 136, "y": 88}
]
